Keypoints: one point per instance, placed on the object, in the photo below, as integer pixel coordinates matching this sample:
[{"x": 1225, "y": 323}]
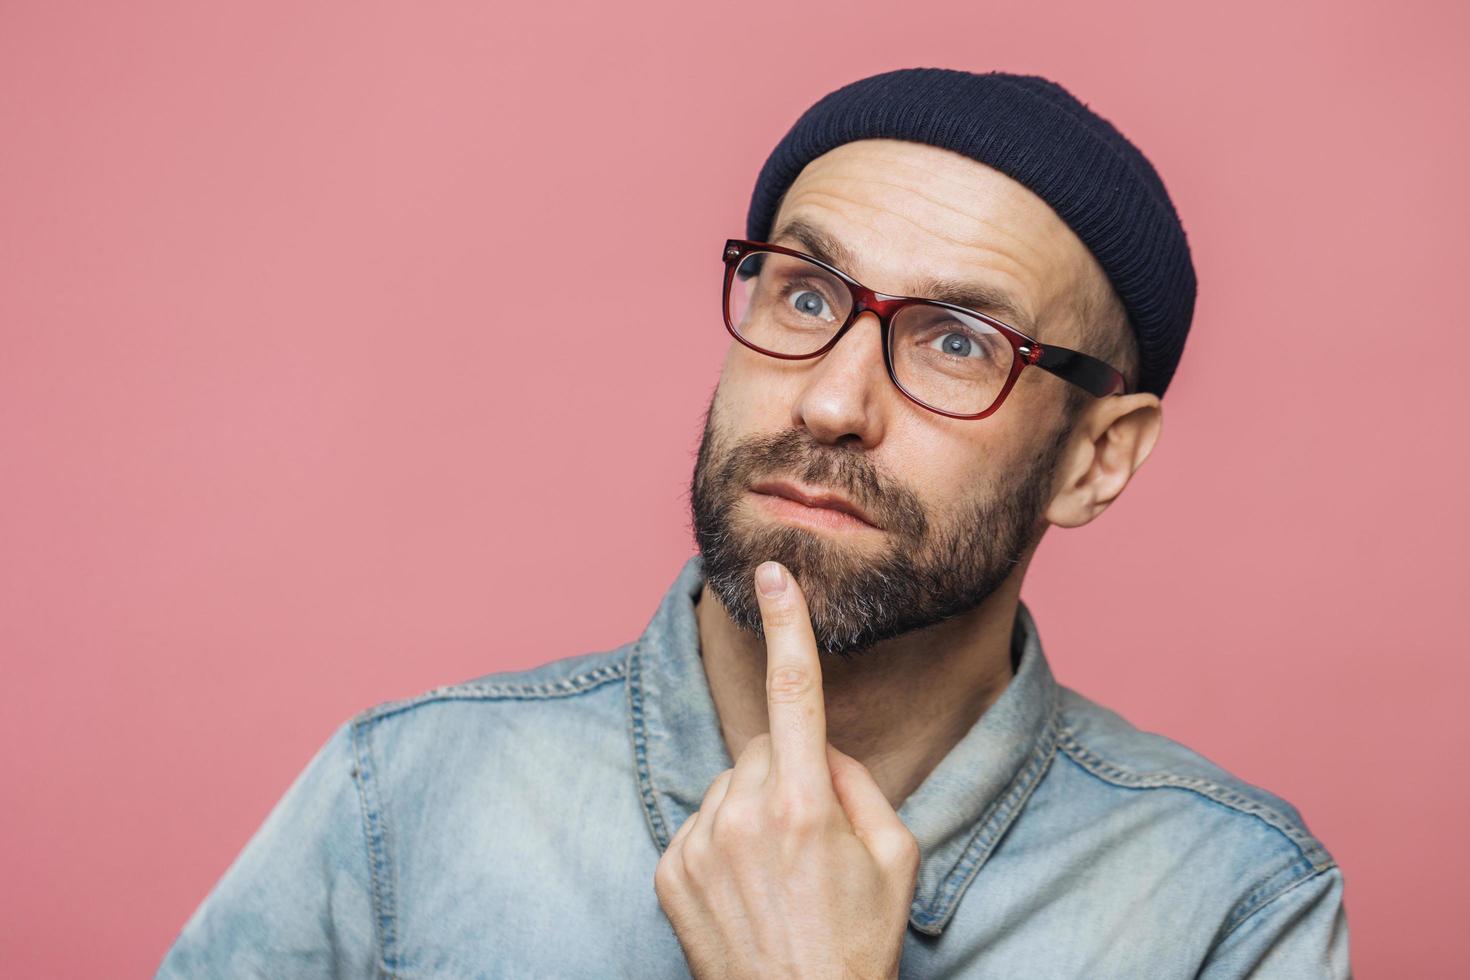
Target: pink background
[{"x": 283, "y": 290}]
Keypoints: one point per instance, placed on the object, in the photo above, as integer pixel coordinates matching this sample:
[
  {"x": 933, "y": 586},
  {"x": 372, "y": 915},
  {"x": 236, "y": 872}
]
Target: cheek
[
  {"x": 751, "y": 395},
  {"x": 950, "y": 463},
  {"x": 1033, "y": 404},
  {"x": 944, "y": 489}
]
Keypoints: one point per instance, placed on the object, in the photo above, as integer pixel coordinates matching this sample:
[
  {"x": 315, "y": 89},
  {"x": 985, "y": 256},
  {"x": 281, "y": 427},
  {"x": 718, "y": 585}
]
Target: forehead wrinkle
[
  {"x": 934, "y": 202},
  {"x": 1018, "y": 244},
  {"x": 1011, "y": 196},
  {"x": 1029, "y": 318},
  {"x": 1067, "y": 267},
  {"x": 947, "y": 166},
  {"x": 925, "y": 229}
]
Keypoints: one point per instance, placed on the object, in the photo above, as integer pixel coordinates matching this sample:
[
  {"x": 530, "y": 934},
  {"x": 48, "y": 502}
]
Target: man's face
[{"x": 952, "y": 506}]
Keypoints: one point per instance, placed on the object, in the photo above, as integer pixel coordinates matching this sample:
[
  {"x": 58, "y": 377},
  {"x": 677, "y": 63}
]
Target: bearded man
[{"x": 837, "y": 750}]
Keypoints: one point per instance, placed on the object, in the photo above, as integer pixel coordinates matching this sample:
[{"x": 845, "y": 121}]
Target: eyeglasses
[{"x": 949, "y": 359}]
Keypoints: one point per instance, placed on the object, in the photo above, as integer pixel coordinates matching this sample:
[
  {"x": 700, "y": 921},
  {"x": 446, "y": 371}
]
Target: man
[{"x": 837, "y": 750}]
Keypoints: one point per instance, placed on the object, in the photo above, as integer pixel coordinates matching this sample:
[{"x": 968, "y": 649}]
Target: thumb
[{"x": 873, "y": 818}]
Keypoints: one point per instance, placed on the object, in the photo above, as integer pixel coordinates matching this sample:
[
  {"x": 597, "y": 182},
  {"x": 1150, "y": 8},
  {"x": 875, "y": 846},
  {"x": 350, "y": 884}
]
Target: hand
[{"x": 795, "y": 864}]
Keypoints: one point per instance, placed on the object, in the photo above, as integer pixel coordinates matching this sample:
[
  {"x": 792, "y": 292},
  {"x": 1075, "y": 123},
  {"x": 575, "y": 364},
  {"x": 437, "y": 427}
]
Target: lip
[{"x": 812, "y": 497}]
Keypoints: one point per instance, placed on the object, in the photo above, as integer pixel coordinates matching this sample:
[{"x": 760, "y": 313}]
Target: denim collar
[{"x": 958, "y": 814}]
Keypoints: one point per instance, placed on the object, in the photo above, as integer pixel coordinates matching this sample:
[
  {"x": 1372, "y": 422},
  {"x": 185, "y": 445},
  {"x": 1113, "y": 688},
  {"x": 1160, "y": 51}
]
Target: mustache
[{"x": 850, "y": 472}]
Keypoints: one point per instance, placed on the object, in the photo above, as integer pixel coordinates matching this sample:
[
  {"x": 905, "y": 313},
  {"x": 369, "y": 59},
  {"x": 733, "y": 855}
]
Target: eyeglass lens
[{"x": 948, "y": 360}]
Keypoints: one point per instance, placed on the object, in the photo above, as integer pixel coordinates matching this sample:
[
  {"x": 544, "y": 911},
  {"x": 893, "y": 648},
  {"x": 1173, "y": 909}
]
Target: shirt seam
[
  {"x": 1240, "y": 917},
  {"x": 1309, "y": 848},
  {"x": 565, "y": 687},
  {"x": 653, "y": 813},
  {"x": 990, "y": 828},
  {"x": 376, "y": 832},
  {"x": 382, "y": 874}
]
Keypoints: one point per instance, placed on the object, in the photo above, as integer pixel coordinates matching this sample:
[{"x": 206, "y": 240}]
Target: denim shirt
[{"x": 509, "y": 827}]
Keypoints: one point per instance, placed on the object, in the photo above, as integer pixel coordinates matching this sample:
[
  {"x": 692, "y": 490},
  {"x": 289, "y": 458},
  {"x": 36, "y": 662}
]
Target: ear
[{"x": 1109, "y": 442}]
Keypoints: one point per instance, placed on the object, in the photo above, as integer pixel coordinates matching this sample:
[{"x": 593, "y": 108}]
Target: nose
[{"x": 843, "y": 397}]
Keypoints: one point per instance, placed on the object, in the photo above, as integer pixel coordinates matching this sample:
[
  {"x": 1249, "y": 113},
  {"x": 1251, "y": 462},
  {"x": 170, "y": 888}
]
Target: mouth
[{"x": 813, "y": 505}]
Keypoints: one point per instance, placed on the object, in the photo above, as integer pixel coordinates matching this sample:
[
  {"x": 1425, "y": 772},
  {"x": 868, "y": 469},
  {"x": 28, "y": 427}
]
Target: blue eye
[
  {"x": 809, "y": 302},
  {"x": 959, "y": 344}
]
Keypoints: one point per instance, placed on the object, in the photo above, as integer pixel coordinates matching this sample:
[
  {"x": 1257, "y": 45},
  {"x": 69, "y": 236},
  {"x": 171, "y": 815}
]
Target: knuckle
[
  {"x": 900, "y": 852},
  {"x": 666, "y": 873},
  {"x": 909, "y": 855},
  {"x": 716, "y": 787},
  {"x": 788, "y": 684},
  {"x": 796, "y": 813},
  {"x": 758, "y": 746},
  {"x": 840, "y": 761},
  {"x": 737, "y": 824},
  {"x": 670, "y": 879},
  {"x": 694, "y": 856}
]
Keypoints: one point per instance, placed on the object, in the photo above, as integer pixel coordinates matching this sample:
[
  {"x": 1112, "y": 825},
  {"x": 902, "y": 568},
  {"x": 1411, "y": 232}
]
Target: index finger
[{"x": 794, "y": 704}]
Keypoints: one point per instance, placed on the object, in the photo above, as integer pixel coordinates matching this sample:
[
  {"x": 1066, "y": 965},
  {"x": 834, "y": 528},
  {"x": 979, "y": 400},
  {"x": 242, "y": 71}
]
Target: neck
[{"x": 898, "y": 707}]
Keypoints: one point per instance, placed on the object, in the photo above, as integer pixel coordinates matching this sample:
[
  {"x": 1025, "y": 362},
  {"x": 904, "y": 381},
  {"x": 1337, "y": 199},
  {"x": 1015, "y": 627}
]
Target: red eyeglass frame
[{"x": 1095, "y": 376}]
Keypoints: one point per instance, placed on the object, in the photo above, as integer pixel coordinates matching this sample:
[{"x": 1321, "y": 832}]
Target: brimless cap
[{"x": 1036, "y": 132}]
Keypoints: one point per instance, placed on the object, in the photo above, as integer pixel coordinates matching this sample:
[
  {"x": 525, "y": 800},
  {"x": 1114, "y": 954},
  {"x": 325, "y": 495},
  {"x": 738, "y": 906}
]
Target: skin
[{"x": 826, "y": 750}]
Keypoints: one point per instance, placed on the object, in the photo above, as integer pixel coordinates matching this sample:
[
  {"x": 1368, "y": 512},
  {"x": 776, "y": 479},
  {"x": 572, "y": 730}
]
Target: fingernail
[{"x": 771, "y": 578}]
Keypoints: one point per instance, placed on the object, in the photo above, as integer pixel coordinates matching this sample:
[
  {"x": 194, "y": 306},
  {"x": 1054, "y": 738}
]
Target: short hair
[{"x": 1103, "y": 330}]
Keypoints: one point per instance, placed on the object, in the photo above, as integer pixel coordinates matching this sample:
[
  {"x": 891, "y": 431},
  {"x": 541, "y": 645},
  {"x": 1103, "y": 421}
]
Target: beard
[{"x": 934, "y": 567}]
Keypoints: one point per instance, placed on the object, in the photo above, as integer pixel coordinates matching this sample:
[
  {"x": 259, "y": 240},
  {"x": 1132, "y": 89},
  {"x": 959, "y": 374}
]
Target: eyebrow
[{"x": 971, "y": 295}]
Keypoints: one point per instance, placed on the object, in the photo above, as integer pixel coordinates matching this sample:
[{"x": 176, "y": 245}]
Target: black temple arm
[{"x": 1096, "y": 376}]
